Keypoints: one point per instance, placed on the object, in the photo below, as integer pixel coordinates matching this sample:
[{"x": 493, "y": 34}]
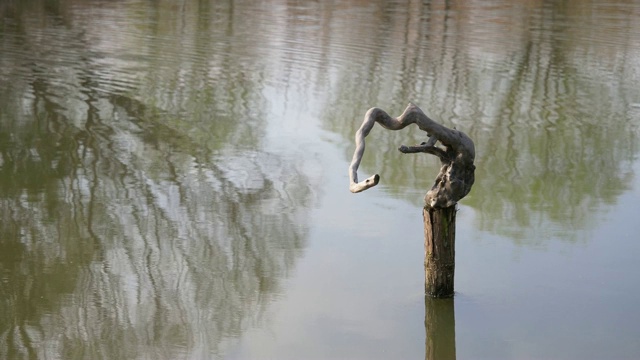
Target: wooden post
[
  {"x": 456, "y": 152},
  {"x": 439, "y": 250}
]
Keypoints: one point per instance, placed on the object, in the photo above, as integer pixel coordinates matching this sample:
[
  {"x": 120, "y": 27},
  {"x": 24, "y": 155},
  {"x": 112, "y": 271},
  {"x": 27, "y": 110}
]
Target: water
[{"x": 173, "y": 179}]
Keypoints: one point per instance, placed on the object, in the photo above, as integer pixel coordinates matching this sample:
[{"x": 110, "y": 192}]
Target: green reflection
[
  {"x": 547, "y": 108},
  {"x": 440, "y": 326},
  {"x": 141, "y": 216}
]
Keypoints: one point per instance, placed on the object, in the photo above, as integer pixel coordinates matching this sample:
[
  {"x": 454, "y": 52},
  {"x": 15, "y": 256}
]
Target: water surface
[{"x": 173, "y": 179}]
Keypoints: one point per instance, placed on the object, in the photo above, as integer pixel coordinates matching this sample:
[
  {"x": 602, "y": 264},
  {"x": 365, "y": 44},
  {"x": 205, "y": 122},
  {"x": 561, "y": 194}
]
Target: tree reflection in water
[
  {"x": 142, "y": 216},
  {"x": 547, "y": 107},
  {"x": 131, "y": 227}
]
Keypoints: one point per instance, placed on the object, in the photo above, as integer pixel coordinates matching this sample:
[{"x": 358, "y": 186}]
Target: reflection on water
[
  {"x": 440, "y": 325},
  {"x": 155, "y": 188},
  {"x": 141, "y": 217},
  {"x": 548, "y": 107}
]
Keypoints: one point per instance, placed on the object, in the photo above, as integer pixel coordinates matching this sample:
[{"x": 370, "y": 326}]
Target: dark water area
[{"x": 173, "y": 179}]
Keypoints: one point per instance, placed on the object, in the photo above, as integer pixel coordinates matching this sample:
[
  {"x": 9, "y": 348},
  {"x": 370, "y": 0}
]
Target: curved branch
[
  {"x": 425, "y": 148},
  {"x": 457, "y": 173},
  {"x": 370, "y": 118}
]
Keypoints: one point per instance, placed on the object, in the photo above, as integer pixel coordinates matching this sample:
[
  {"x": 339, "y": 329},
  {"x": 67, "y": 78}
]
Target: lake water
[{"x": 173, "y": 179}]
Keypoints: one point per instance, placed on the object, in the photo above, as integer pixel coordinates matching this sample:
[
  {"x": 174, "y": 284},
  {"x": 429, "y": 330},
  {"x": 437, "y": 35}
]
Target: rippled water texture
[{"x": 173, "y": 179}]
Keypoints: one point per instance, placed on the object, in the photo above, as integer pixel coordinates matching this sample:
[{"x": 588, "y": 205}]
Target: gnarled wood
[
  {"x": 454, "y": 182},
  {"x": 457, "y": 172}
]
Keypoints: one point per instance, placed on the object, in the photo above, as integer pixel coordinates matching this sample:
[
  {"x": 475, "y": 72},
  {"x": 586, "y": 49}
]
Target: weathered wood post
[
  {"x": 452, "y": 184},
  {"x": 439, "y": 250}
]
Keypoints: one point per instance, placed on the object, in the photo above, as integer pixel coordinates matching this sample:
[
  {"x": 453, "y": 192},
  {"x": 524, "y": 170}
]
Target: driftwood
[
  {"x": 457, "y": 155},
  {"x": 454, "y": 182}
]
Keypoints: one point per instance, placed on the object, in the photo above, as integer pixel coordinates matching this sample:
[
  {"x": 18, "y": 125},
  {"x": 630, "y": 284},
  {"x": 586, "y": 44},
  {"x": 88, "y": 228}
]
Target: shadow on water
[
  {"x": 141, "y": 218},
  {"x": 440, "y": 326}
]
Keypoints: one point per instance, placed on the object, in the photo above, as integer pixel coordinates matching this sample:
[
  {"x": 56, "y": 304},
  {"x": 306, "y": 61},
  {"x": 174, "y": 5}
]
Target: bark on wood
[
  {"x": 439, "y": 250},
  {"x": 457, "y": 175},
  {"x": 457, "y": 172}
]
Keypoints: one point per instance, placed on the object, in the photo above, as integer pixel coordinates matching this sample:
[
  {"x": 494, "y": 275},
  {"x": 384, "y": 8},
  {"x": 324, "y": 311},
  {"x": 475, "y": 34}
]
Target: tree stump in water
[
  {"x": 439, "y": 250},
  {"x": 452, "y": 184}
]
